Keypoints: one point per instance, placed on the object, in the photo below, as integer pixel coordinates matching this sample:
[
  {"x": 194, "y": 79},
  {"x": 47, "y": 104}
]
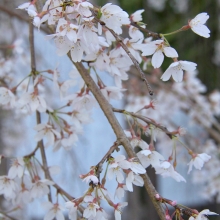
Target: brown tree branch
[
  {"x": 110, "y": 151},
  {"x": 149, "y": 33},
  {"x": 38, "y": 117},
  {"x": 121, "y": 137}
]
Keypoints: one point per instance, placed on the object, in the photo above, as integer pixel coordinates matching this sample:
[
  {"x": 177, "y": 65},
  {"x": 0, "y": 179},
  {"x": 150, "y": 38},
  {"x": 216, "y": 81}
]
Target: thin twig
[
  {"x": 25, "y": 18},
  {"x": 38, "y": 117},
  {"x": 110, "y": 151},
  {"x": 8, "y": 216},
  {"x": 136, "y": 64},
  {"x": 149, "y": 33},
  {"x": 148, "y": 121}
]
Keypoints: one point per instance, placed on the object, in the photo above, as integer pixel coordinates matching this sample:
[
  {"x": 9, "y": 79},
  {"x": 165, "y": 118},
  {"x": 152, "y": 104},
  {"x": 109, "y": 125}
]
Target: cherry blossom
[
  {"x": 54, "y": 211},
  {"x": 90, "y": 210},
  {"x": 176, "y": 70},
  {"x": 120, "y": 190},
  {"x": 148, "y": 157},
  {"x": 82, "y": 101},
  {"x": 198, "y": 161},
  {"x": 136, "y": 167},
  {"x": 136, "y": 16},
  {"x": 203, "y": 215},
  {"x": 197, "y": 25},
  {"x": 16, "y": 169},
  {"x": 47, "y": 131},
  {"x": 166, "y": 170},
  {"x": 8, "y": 187},
  {"x": 23, "y": 196},
  {"x": 92, "y": 178},
  {"x": 101, "y": 214},
  {"x": 40, "y": 188},
  {"x": 115, "y": 167},
  {"x": 83, "y": 8},
  {"x": 135, "y": 179},
  {"x": 84, "y": 32},
  {"x": 114, "y": 17},
  {"x": 118, "y": 209},
  {"x": 137, "y": 38},
  {"x": 157, "y": 48},
  {"x": 112, "y": 92},
  {"x": 32, "y": 102},
  {"x": 68, "y": 29},
  {"x": 6, "y": 97},
  {"x": 72, "y": 207}
]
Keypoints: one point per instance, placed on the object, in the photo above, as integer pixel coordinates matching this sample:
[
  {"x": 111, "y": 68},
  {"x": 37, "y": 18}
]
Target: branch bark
[{"x": 121, "y": 137}]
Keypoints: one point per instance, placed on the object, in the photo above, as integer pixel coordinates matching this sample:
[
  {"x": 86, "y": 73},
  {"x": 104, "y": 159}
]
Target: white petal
[
  {"x": 148, "y": 49},
  {"x": 157, "y": 59},
  {"x": 201, "y": 30},
  {"x": 170, "y": 52},
  {"x": 167, "y": 74},
  {"x": 188, "y": 66},
  {"x": 202, "y": 17},
  {"x": 178, "y": 75}
]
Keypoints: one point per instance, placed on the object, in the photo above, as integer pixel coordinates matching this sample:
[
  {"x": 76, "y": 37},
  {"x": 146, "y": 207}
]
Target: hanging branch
[
  {"x": 38, "y": 116},
  {"x": 136, "y": 64},
  {"x": 145, "y": 119},
  {"x": 121, "y": 137}
]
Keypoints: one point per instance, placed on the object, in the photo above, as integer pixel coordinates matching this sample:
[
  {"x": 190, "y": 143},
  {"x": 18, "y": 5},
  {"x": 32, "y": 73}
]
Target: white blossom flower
[
  {"x": 101, "y": 214},
  {"x": 115, "y": 167},
  {"x": 203, "y": 215},
  {"x": 120, "y": 190},
  {"x": 197, "y": 25},
  {"x": 82, "y": 101},
  {"x": 32, "y": 102},
  {"x": 198, "y": 161},
  {"x": 138, "y": 142},
  {"x": 6, "y": 97},
  {"x": 72, "y": 207},
  {"x": 133, "y": 179},
  {"x": 136, "y": 16},
  {"x": 83, "y": 8},
  {"x": 114, "y": 17},
  {"x": 8, "y": 187},
  {"x": 24, "y": 5},
  {"x": 92, "y": 178},
  {"x": 166, "y": 169},
  {"x": 40, "y": 188},
  {"x": 176, "y": 70},
  {"x": 17, "y": 168},
  {"x": 68, "y": 142},
  {"x": 136, "y": 167},
  {"x": 157, "y": 48},
  {"x": 148, "y": 157},
  {"x": 47, "y": 131},
  {"x": 68, "y": 29},
  {"x": 90, "y": 210},
  {"x": 118, "y": 209},
  {"x": 54, "y": 211},
  {"x": 23, "y": 196},
  {"x": 112, "y": 92},
  {"x": 17, "y": 48}
]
